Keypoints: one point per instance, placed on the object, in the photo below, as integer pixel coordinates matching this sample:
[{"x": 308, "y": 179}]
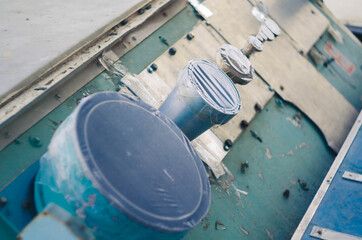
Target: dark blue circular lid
[{"x": 141, "y": 162}]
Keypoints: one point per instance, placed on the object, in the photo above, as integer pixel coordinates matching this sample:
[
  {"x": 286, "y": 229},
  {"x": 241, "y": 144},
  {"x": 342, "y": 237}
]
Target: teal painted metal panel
[
  {"x": 292, "y": 149},
  {"x": 23, "y": 152},
  {"x": 7, "y": 230},
  {"x": 344, "y": 66},
  {"x": 152, "y": 47}
]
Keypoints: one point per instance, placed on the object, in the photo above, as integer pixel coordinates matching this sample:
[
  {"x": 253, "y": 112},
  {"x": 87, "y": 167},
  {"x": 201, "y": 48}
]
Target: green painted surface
[
  {"x": 350, "y": 86},
  {"x": 295, "y": 153},
  {"x": 151, "y": 48},
  {"x": 20, "y": 154},
  {"x": 7, "y": 230}
]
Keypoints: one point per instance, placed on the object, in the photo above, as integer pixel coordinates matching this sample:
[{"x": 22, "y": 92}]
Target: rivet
[
  {"x": 172, "y": 51},
  {"x": 141, "y": 11},
  {"x": 244, "y": 124},
  {"x": 35, "y": 141},
  {"x": 258, "y": 107},
  {"x": 3, "y": 201},
  {"x": 227, "y": 144},
  {"x": 124, "y": 22},
  {"x": 190, "y": 36},
  {"x": 286, "y": 193}
]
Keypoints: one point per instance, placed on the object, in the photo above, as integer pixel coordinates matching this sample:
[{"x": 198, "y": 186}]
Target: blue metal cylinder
[
  {"x": 120, "y": 166},
  {"x": 204, "y": 96}
]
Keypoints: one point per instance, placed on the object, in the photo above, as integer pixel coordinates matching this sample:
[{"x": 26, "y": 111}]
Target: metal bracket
[
  {"x": 324, "y": 233},
  {"x": 352, "y": 176}
]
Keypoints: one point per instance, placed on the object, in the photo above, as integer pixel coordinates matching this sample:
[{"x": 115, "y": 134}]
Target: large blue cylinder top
[
  {"x": 125, "y": 169},
  {"x": 204, "y": 96}
]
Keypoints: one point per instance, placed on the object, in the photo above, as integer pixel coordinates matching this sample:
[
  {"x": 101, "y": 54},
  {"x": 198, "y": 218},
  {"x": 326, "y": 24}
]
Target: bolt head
[
  {"x": 3, "y": 201},
  {"x": 244, "y": 124},
  {"x": 258, "y": 107},
  {"x": 35, "y": 141},
  {"x": 172, "y": 51},
  {"x": 124, "y": 22},
  {"x": 190, "y": 36},
  {"x": 228, "y": 143},
  {"x": 154, "y": 66}
]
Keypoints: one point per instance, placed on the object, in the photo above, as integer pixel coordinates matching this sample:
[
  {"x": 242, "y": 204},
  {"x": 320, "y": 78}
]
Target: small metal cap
[
  {"x": 252, "y": 45},
  {"x": 235, "y": 64},
  {"x": 260, "y": 11},
  {"x": 273, "y": 26},
  {"x": 266, "y": 31}
]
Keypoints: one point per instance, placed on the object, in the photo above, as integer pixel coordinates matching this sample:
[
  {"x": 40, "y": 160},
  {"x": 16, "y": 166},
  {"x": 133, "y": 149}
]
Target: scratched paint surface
[{"x": 292, "y": 149}]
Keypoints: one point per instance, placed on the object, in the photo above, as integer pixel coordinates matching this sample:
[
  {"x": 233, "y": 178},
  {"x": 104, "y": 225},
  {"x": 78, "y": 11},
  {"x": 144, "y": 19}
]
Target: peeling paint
[
  {"x": 244, "y": 230},
  {"x": 294, "y": 122},
  {"x": 238, "y": 191},
  {"x": 303, "y": 144},
  {"x": 261, "y": 176},
  {"x": 270, "y": 235},
  {"x": 290, "y": 153},
  {"x": 268, "y": 153}
]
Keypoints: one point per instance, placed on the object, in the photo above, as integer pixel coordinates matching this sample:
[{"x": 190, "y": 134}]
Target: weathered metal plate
[
  {"x": 352, "y": 176},
  {"x": 289, "y": 73},
  {"x": 297, "y": 81},
  {"x": 160, "y": 83},
  {"x": 302, "y": 21},
  {"x": 324, "y": 233},
  {"x": 204, "y": 46}
]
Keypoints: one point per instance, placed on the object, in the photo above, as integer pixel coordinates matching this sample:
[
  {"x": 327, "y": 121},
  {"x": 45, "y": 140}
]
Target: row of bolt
[
  {"x": 140, "y": 12},
  {"x": 172, "y": 51},
  {"x": 26, "y": 205}
]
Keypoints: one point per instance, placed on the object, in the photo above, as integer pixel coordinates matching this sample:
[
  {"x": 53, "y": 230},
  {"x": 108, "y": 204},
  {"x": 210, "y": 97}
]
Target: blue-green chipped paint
[
  {"x": 350, "y": 86},
  {"x": 30, "y": 146},
  {"x": 290, "y": 150},
  {"x": 152, "y": 47}
]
